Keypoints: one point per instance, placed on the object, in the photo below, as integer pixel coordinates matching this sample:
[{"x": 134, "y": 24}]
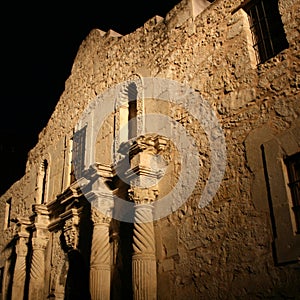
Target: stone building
[{"x": 170, "y": 166}]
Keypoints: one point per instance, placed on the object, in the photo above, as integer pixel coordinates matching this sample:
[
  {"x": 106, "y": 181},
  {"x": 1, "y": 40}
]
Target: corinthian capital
[
  {"x": 149, "y": 143},
  {"x": 39, "y": 243},
  {"x": 99, "y": 218},
  {"x": 143, "y": 196}
]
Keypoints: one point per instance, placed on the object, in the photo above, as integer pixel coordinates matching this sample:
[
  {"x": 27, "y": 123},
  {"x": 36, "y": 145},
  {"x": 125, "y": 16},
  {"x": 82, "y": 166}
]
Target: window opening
[
  {"x": 132, "y": 114},
  {"x": 7, "y": 214},
  {"x": 267, "y": 29},
  {"x": 293, "y": 168},
  {"x": 44, "y": 182},
  {"x": 78, "y": 153}
]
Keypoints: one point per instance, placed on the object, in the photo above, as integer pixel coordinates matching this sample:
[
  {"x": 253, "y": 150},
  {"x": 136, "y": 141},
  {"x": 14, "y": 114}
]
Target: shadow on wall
[{"x": 77, "y": 284}]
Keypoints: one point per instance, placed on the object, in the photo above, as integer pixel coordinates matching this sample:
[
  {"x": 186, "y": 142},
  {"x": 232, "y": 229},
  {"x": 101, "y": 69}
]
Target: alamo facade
[{"x": 170, "y": 167}]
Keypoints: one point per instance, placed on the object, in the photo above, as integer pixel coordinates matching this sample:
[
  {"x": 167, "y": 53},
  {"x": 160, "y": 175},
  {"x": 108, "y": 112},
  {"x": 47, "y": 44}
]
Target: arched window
[
  {"x": 132, "y": 110},
  {"x": 293, "y": 168},
  {"x": 7, "y": 213},
  {"x": 44, "y": 182},
  {"x": 128, "y": 113},
  {"x": 78, "y": 153}
]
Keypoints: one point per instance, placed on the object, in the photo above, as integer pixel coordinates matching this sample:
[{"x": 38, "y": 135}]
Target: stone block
[{"x": 169, "y": 240}]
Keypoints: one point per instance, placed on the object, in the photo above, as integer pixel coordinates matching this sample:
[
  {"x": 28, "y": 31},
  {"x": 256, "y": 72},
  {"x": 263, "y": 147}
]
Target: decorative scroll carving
[
  {"x": 143, "y": 196},
  {"x": 22, "y": 210},
  {"x": 149, "y": 143},
  {"x": 71, "y": 234},
  {"x": 149, "y": 157},
  {"x": 70, "y": 229},
  {"x": 39, "y": 244},
  {"x": 22, "y": 248},
  {"x": 98, "y": 218}
]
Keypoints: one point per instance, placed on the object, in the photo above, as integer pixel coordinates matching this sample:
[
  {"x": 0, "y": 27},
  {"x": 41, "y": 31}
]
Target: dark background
[{"x": 39, "y": 42}]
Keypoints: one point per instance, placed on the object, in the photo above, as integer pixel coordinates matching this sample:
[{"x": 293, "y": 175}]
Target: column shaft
[
  {"x": 100, "y": 272},
  {"x": 37, "y": 269},
  {"x": 144, "y": 260},
  {"x": 19, "y": 278},
  {"x": 144, "y": 274}
]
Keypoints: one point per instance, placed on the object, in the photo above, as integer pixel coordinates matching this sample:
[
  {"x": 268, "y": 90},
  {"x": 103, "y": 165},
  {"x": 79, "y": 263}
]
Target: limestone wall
[{"x": 226, "y": 247}]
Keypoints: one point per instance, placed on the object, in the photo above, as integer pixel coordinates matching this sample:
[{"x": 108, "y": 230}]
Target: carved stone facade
[{"x": 89, "y": 219}]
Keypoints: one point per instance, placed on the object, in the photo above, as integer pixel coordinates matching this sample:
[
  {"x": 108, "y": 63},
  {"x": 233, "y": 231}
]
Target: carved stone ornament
[
  {"x": 143, "y": 196},
  {"x": 71, "y": 234},
  {"x": 149, "y": 143},
  {"x": 99, "y": 218},
  {"x": 39, "y": 243},
  {"x": 22, "y": 247}
]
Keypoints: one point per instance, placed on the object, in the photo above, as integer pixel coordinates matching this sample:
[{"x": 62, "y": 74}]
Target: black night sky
[{"x": 39, "y": 41}]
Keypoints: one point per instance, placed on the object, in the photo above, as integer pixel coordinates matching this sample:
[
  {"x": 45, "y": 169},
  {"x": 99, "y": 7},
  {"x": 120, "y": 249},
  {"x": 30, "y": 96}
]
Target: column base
[
  {"x": 144, "y": 277},
  {"x": 100, "y": 282}
]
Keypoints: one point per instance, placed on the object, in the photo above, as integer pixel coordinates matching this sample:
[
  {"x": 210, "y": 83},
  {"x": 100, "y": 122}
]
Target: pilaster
[
  {"x": 37, "y": 272},
  {"x": 144, "y": 259},
  {"x": 39, "y": 243},
  {"x": 143, "y": 154},
  {"x": 100, "y": 263},
  {"x": 19, "y": 276}
]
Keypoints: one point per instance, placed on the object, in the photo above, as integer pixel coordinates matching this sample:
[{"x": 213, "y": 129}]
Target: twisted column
[
  {"x": 20, "y": 269},
  {"x": 100, "y": 269},
  {"x": 143, "y": 259},
  {"x": 144, "y": 174},
  {"x": 37, "y": 271},
  {"x": 39, "y": 242}
]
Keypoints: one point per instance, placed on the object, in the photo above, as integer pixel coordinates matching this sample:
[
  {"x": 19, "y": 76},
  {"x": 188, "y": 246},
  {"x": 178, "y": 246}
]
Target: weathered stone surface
[{"x": 224, "y": 250}]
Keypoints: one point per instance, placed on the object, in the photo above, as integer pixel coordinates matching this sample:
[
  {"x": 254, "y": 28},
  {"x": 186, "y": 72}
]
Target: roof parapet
[
  {"x": 198, "y": 6},
  {"x": 185, "y": 10},
  {"x": 112, "y": 33}
]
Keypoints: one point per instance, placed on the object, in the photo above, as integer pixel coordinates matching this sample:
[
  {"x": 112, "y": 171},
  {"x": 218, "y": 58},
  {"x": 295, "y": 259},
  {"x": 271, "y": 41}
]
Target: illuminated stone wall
[{"x": 228, "y": 249}]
